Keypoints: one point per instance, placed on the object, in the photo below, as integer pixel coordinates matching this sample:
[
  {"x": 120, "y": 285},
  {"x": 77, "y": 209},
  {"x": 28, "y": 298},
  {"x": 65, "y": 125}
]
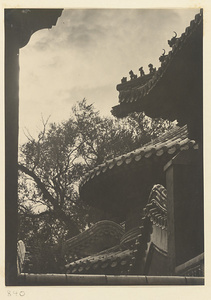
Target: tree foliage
[{"x": 50, "y": 168}]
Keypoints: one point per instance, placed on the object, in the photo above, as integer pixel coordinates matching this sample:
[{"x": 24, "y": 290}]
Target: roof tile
[
  {"x": 170, "y": 142},
  {"x": 143, "y": 89}
]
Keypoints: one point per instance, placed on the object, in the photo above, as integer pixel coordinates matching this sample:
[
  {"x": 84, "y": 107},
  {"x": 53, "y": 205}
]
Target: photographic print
[{"x": 104, "y": 146}]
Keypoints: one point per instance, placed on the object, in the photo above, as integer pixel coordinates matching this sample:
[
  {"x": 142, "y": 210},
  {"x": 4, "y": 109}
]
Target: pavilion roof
[
  {"x": 103, "y": 234},
  {"x": 120, "y": 259},
  {"x": 111, "y": 182},
  {"x": 128, "y": 255},
  {"x": 174, "y": 91}
]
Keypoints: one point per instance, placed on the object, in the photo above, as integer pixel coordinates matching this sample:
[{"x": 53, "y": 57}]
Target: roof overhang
[
  {"x": 24, "y": 22},
  {"x": 126, "y": 181},
  {"x": 175, "y": 91}
]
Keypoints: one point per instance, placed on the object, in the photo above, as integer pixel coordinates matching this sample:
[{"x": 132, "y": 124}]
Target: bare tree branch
[{"x": 57, "y": 209}]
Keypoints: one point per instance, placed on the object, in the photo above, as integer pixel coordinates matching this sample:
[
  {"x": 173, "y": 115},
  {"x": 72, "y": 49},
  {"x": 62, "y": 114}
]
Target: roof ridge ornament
[
  {"x": 173, "y": 40},
  {"x": 124, "y": 79},
  {"x": 141, "y": 71},
  {"x": 132, "y": 75},
  {"x": 151, "y": 69},
  {"x": 163, "y": 56}
]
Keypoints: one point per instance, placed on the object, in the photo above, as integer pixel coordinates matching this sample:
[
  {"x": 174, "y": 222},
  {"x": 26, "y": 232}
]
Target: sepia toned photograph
[{"x": 104, "y": 147}]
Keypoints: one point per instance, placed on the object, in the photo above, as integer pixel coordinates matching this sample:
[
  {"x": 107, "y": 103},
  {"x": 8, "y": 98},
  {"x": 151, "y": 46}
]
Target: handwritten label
[{"x": 15, "y": 293}]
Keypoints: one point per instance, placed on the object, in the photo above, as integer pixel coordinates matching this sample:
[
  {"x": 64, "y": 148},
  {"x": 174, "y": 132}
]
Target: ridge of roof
[
  {"x": 137, "y": 92},
  {"x": 104, "y": 225},
  {"x": 121, "y": 257},
  {"x": 129, "y": 256},
  {"x": 103, "y": 234},
  {"x": 132, "y": 248}
]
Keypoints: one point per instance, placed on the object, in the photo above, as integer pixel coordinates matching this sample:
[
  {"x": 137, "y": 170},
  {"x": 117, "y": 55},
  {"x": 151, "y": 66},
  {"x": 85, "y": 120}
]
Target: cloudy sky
[{"x": 85, "y": 56}]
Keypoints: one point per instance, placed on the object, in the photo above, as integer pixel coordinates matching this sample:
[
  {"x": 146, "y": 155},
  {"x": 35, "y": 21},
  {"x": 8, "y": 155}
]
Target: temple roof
[
  {"x": 174, "y": 91},
  {"x": 101, "y": 262},
  {"x": 120, "y": 259},
  {"x": 103, "y": 234},
  {"x": 128, "y": 257},
  {"x": 118, "y": 178},
  {"x": 139, "y": 252}
]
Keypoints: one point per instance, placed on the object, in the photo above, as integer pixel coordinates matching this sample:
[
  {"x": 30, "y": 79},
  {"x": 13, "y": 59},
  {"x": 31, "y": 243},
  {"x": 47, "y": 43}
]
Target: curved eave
[
  {"x": 175, "y": 90},
  {"x": 113, "y": 185}
]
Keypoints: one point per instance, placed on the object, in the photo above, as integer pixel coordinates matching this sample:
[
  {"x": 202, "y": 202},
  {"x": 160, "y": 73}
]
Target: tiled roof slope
[
  {"x": 120, "y": 259},
  {"x": 101, "y": 262},
  {"x": 103, "y": 234},
  {"x": 132, "y": 93},
  {"x": 170, "y": 143},
  {"x": 129, "y": 256}
]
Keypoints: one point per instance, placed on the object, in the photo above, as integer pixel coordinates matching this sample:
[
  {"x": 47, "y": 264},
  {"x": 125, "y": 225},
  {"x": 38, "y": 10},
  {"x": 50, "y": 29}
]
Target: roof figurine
[
  {"x": 141, "y": 71},
  {"x": 151, "y": 69},
  {"x": 160, "y": 94},
  {"x": 173, "y": 40},
  {"x": 163, "y": 57},
  {"x": 154, "y": 188},
  {"x": 132, "y": 75},
  {"x": 124, "y": 79},
  {"x": 145, "y": 188}
]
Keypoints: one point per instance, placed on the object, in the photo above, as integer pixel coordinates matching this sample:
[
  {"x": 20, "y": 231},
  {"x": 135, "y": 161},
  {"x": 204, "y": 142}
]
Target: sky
[{"x": 85, "y": 56}]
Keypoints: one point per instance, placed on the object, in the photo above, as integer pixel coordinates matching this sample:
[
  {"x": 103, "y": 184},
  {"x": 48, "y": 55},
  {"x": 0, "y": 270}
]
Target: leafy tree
[{"x": 51, "y": 166}]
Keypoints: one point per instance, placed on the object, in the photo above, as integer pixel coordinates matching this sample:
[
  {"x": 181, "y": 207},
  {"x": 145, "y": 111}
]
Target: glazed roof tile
[
  {"x": 132, "y": 92},
  {"x": 101, "y": 261},
  {"x": 131, "y": 251},
  {"x": 104, "y": 233},
  {"x": 101, "y": 227},
  {"x": 169, "y": 143},
  {"x": 118, "y": 259}
]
